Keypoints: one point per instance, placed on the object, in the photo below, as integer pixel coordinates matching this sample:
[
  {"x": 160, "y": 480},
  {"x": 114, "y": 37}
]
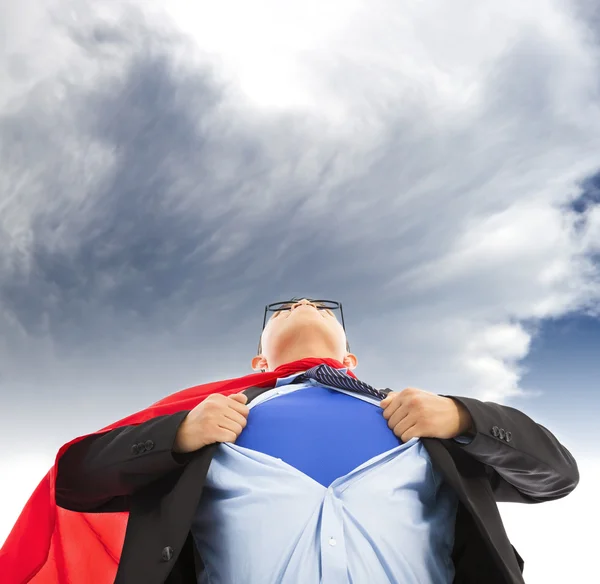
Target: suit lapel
[
  {"x": 253, "y": 392},
  {"x": 203, "y": 463},
  {"x": 469, "y": 480}
]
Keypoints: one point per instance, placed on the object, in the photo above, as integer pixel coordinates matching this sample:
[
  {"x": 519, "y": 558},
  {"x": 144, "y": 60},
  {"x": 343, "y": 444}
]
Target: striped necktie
[{"x": 332, "y": 377}]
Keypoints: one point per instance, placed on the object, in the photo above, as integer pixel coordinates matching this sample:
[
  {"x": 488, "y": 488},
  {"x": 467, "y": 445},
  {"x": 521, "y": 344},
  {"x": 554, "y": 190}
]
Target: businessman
[{"x": 304, "y": 473}]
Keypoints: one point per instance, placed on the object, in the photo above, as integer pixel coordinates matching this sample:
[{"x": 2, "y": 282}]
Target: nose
[{"x": 303, "y": 301}]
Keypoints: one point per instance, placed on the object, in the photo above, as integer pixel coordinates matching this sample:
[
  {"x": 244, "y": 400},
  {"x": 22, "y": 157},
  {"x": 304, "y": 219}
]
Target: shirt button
[
  {"x": 167, "y": 554},
  {"x": 332, "y": 541}
]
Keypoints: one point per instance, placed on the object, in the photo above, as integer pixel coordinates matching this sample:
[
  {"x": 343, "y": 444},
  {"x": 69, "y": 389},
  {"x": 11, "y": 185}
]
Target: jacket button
[
  {"x": 167, "y": 553},
  {"x": 134, "y": 449},
  {"x": 495, "y": 431},
  {"x": 141, "y": 447},
  {"x": 502, "y": 434},
  {"x": 149, "y": 445},
  {"x": 508, "y": 436}
]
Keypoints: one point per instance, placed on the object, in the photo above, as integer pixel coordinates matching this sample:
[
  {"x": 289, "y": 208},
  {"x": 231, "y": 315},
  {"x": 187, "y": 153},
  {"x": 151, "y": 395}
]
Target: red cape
[{"x": 50, "y": 545}]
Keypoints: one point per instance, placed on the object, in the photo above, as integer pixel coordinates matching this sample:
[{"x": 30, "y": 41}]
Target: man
[{"x": 316, "y": 477}]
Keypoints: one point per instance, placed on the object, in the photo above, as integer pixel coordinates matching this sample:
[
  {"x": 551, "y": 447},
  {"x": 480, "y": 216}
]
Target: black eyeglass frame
[{"x": 332, "y": 305}]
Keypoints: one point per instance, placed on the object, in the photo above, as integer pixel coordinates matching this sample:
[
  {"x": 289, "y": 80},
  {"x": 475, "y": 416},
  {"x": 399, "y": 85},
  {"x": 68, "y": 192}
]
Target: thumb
[{"x": 239, "y": 397}]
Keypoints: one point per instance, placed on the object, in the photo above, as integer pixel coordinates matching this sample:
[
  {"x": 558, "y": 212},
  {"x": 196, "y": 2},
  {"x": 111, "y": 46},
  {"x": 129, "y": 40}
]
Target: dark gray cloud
[
  {"x": 139, "y": 251},
  {"x": 136, "y": 253},
  {"x": 589, "y": 196}
]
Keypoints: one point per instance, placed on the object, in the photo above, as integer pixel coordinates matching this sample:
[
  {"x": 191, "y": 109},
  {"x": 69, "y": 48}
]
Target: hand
[
  {"x": 414, "y": 413},
  {"x": 218, "y": 418}
]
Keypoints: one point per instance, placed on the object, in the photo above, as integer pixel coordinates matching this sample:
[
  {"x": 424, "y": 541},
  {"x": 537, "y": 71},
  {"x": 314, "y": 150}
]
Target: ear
[
  {"x": 259, "y": 362},
  {"x": 350, "y": 361}
]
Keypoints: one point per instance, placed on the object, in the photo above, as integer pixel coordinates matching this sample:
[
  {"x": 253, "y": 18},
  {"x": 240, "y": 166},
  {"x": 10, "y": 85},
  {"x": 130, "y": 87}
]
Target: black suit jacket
[{"x": 511, "y": 458}]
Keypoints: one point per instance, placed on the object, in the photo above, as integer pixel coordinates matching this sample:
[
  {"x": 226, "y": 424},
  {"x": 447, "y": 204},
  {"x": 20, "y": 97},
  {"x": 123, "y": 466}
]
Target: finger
[
  {"x": 392, "y": 406},
  {"x": 240, "y": 397},
  {"x": 236, "y": 417},
  {"x": 399, "y": 415},
  {"x": 231, "y": 425},
  {"x": 385, "y": 401},
  {"x": 226, "y": 436},
  {"x": 238, "y": 407},
  {"x": 405, "y": 429},
  {"x": 402, "y": 426},
  {"x": 409, "y": 433}
]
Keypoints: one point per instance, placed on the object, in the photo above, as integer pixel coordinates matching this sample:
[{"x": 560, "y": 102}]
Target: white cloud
[
  {"x": 19, "y": 476},
  {"x": 557, "y": 539}
]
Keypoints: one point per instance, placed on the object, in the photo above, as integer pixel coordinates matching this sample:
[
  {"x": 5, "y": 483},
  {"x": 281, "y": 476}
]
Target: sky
[{"x": 170, "y": 168}]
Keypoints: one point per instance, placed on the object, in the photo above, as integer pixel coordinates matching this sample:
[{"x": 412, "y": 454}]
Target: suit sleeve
[
  {"x": 524, "y": 460},
  {"x": 100, "y": 472}
]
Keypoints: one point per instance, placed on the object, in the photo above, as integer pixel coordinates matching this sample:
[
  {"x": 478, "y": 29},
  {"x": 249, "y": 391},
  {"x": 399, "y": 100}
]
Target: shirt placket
[{"x": 334, "y": 565}]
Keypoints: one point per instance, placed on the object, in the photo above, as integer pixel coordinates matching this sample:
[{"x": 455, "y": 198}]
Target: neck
[
  {"x": 296, "y": 353},
  {"x": 290, "y": 367}
]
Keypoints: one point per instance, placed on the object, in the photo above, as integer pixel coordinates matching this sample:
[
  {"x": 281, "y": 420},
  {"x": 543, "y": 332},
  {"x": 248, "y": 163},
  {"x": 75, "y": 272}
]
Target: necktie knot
[{"x": 329, "y": 376}]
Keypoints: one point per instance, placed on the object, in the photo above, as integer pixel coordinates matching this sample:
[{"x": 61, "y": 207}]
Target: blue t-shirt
[{"x": 322, "y": 432}]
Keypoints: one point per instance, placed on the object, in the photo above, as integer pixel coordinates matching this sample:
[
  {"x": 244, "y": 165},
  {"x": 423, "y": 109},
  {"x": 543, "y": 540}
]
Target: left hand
[{"x": 414, "y": 413}]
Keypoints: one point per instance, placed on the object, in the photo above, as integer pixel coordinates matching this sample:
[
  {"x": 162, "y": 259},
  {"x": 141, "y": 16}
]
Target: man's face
[{"x": 303, "y": 323}]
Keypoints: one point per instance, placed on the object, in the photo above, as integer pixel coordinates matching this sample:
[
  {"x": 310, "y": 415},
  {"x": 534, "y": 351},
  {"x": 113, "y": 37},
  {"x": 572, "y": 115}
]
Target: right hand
[{"x": 218, "y": 418}]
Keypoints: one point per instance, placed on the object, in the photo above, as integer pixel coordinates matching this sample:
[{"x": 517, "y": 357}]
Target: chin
[{"x": 319, "y": 346}]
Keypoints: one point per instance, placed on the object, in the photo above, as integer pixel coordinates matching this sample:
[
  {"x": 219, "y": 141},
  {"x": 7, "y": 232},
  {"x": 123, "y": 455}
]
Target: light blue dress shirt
[{"x": 267, "y": 519}]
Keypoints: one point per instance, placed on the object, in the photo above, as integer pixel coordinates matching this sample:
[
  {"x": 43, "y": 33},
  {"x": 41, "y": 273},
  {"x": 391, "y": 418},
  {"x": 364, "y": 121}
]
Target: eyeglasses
[{"x": 288, "y": 304}]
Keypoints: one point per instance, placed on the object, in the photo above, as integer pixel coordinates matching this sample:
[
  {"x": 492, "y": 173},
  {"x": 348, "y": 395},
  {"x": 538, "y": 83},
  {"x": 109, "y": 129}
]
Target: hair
[{"x": 294, "y": 299}]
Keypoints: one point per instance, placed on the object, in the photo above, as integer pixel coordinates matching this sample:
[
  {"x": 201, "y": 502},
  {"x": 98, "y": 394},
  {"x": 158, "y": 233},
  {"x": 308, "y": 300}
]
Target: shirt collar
[{"x": 288, "y": 379}]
